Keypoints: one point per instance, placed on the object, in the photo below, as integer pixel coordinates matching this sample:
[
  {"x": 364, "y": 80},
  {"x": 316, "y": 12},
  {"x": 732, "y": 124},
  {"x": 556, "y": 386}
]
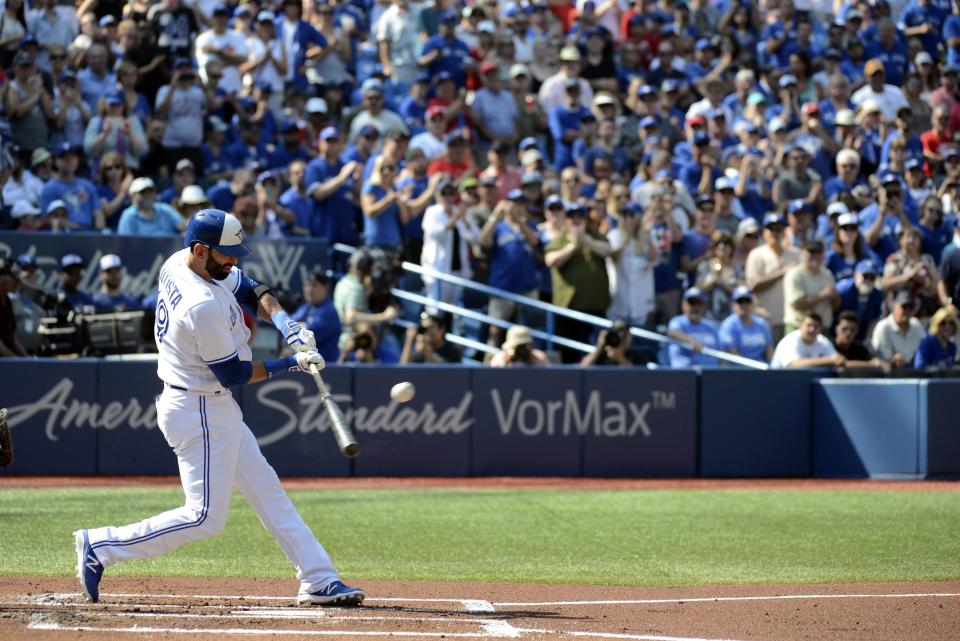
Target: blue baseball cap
[
  {"x": 701, "y": 138},
  {"x": 182, "y": 62},
  {"x": 649, "y": 121},
  {"x": 645, "y": 90},
  {"x": 867, "y": 266},
  {"x": 263, "y": 85},
  {"x": 798, "y": 205},
  {"x": 442, "y": 76},
  {"x": 742, "y": 292},
  {"x": 329, "y": 133},
  {"x": 528, "y": 143},
  {"x": 65, "y": 148},
  {"x": 553, "y": 201},
  {"x": 661, "y": 174},
  {"x": 265, "y": 176},
  {"x": 717, "y": 112},
  {"x": 371, "y": 84},
  {"x": 287, "y": 126},
  {"x": 218, "y": 230},
  {"x": 27, "y": 261},
  {"x": 531, "y": 178},
  {"x": 449, "y": 17},
  {"x": 670, "y": 84},
  {"x": 633, "y": 208},
  {"x": 887, "y": 177},
  {"x": 914, "y": 163},
  {"x": 773, "y": 218},
  {"x": 70, "y": 260},
  {"x": 368, "y": 131},
  {"x": 516, "y": 195},
  {"x": 222, "y": 10},
  {"x": 456, "y": 135},
  {"x": 693, "y": 293},
  {"x": 115, "y": 98},
  {"x": 704, "y": 43}
]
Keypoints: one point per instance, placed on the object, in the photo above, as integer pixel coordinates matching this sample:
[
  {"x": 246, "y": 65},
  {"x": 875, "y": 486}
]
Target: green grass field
[{"x": 653, "y": 537}]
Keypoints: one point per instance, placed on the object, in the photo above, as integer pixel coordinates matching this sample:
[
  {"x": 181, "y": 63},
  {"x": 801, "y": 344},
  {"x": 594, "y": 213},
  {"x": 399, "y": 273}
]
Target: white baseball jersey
[{"x": 198, "y": 324}]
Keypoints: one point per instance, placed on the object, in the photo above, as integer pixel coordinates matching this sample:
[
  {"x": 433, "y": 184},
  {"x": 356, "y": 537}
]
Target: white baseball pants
[{"x": 216, "y": 450}]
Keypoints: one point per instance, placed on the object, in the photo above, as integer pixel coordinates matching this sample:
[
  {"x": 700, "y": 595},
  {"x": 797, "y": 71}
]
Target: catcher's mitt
[{"x": 6, "y": 442}]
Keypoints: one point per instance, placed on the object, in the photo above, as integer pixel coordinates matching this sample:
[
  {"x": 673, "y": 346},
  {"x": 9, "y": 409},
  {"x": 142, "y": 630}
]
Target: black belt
[{"x": 184, "y": 389}]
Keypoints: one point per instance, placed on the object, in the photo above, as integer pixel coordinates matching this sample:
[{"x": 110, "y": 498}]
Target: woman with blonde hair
[
  {"x": 630, "y": 267},
  {"x": 938, "y": 349},
  {"x": 113, "y": 180},
  {"x": 114, "y": 129},
  {"x": 383, "y": 208}
]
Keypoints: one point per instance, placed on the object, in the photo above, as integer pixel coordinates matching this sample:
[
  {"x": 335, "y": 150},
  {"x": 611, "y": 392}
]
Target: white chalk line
[{"x": 529, "y": 604}]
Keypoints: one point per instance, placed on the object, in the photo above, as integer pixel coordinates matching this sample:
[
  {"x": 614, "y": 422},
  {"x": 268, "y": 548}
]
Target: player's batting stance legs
[{"x": 203, "y": 352}]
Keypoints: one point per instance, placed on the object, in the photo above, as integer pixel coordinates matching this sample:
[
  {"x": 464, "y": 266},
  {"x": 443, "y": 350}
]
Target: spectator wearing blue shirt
[
  {"x": 848, "y": 248},
  {"x": 693, "y": 331},
  {"x": 111, "y": 297},
  {"x": 697, "y": 241},
  {"x": 217, "y": 163},
  {"x": 922, "y": 19},
  {"x": 413, "y": 108},
  {"x": 184, "y": 175},
  {"x": 318, "y": 314},
  {"x": 71, "y": 273},
  {"x": 888, "y": 48},
  {"x": 443, "y": 52},
  {"x": 859, "y": 294},
  {"x": 511, "y": 245},
  {"x": 938, "y": 349},
  {"x": 332, "y": 183},
  {"x": 937, "y": 232},
  {"x": 565, "y": 124},
  {"x": 951, "y": 39},
  {"x": 296, "y": 199},
  {"x": 289, "y": 148},
  {"x": 882, "y": 222},
  {"x": 418, "y": 188},
  {"x": 223, "y": 195},
  {"x": 96, "y": 80},
  {"x": 745, "y": 333},
  {"x": 249, "y": 149},
  {"x": 848, "y": 174},
  {"x": 699, "y": 174},
  {"x": 147, "y": 217},
  {"x": 79, "y": 194},
  {"x": 380, "y": 202}
]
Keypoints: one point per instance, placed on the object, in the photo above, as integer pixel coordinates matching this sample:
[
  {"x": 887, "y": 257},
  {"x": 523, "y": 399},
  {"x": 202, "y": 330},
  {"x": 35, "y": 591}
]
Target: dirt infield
[{"x": 42, "y": 609}]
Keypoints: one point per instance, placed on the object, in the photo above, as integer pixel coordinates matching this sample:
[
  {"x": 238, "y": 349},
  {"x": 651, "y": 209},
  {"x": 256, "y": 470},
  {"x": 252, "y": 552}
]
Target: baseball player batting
[{"x": 202, "y": 342}]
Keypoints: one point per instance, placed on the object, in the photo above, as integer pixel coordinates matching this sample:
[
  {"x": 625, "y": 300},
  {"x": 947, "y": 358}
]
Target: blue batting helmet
[{"x": 218, "y": 230}]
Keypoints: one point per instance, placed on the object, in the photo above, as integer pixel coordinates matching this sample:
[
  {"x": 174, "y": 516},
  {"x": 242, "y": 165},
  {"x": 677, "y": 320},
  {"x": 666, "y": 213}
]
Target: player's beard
[{"x": 217, "y": 270}]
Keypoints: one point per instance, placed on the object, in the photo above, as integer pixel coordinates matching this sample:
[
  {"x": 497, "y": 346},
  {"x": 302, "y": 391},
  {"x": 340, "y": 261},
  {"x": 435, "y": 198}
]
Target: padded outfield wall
[{"x": 97, "y": 417}]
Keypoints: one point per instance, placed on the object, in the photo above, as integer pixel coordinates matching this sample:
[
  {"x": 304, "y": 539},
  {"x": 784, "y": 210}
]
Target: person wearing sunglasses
[{"x": 939, "y": 349}]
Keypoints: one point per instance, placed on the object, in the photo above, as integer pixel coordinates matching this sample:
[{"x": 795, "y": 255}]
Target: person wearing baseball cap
[
  {"x": 110, "y": 297},
  {"x": 809, "y": 286},
  {"x": 566, "y": 122},
  {"x": 554, "y": 92},
  {"x": 744, "y": 332},
  {"x": 146, "y": 216},
  {"x": 78, "y": 193},
  {"x": 518, "y": 350},
  {"x": 859, "y": 294},
  {"x": 896, "y": 337},
  {"x": 223, "y": 44},
  {"x": 692, "y": 332},
  {"x": 443, "y": 52},
  {"x": 331, "y": 181},
  {"x": 26, "y": 215},
  {"x": 373, "y": 112},
  {"x": 765, "y": 268},
  {"x": 447, "y": 234},
  {"x": 431, "y": 141},
  {"x": 494, "y": 111},
  {"x": 888, "y": 97},
  {"x": 71, "y": 274}
]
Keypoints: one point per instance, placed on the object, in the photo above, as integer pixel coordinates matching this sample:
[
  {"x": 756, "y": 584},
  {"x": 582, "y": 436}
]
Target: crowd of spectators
[{"x": 778, "y": 179}]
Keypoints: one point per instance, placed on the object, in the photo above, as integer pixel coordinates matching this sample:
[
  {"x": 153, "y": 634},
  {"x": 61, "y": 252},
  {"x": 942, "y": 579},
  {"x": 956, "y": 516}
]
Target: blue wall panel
[
  {"x": 524, "y": 422},
  {"x": 940, "y": 440},
  {"x": 53, "y": 415},
  {"x": 755, "y": 423},
  {"x": 129, "y": 441},
  {"x": 639, "y": 422},
  {"x": 429, "y": 436},
  {"x": 291, "y": 426},
  {"x": 865, "y": 428}
]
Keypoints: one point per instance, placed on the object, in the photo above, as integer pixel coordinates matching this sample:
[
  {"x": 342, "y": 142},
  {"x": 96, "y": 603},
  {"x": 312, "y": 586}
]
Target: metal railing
[{"x": 547, "y": 308}]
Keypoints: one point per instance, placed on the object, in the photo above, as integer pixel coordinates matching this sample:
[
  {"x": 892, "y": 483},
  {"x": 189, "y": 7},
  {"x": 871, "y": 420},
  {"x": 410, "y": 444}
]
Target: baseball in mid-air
[{"x": 403, "y": 392}]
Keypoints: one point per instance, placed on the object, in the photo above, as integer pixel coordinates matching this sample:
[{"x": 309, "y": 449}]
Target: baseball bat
[{"x": 341, "y": 430}]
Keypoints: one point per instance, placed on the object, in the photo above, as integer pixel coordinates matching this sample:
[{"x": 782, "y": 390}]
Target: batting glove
[
  {"x": 297, "y": 336},
  {"x": 306, "y": 360}
]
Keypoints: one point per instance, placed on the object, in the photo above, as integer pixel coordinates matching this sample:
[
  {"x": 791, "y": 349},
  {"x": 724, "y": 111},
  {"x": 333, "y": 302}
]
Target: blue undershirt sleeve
[{"x": 232, "y": 372}]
